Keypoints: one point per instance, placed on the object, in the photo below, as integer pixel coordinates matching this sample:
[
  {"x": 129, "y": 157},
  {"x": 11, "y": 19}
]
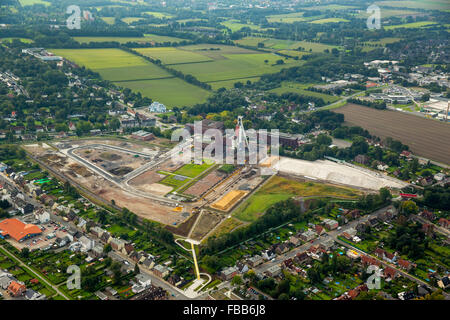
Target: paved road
[{"x": 37, "y": 275}]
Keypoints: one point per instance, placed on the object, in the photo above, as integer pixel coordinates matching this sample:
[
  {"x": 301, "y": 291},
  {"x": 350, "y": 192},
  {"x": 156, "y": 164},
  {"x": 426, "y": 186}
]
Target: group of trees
[
  {"x": 371, "y": 104},
  {"x": 277, "y": 214}
]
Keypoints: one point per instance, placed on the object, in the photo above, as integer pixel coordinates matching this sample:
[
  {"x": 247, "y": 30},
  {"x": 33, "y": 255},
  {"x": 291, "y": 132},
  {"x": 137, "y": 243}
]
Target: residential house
[
  {"x": 228, "y": 273},
  {"x": 427, "y": 215},
  {"x": 282, "y": 248},
  {"x": 97, "y": 231},
  {"x": 86, "y": 243},
  {"x": 255, "y": 261},
  {"x": 274, "y": 271},
  {"x": 16, "y": 289},
  {"x": 390, "y": 273},
  {"x": 116, "y": 243},
  {"x": 294, "y": 241},
  {"x": 405, "y": 264},
  {"x": 330, "y": 224},
  {"x": 327, "y": 244},
  {"x": 362, "y": 159},
  {"x": 308, "y": 235},
  {"x": 144, "y": 280},
  {"x": 302, "y": 258},
  {"x": 445, "y": 223},
  {"x": 319, "y": 229},
  {"x": 162, "y": 271},
  {"x": 444, "y": 283},
  {"x": 127, "y": 249}
]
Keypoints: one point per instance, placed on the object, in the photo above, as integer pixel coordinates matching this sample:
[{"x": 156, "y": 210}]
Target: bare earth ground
[
  {"x": 337, "y": 173},
  {"x": 204, "y": 184},
  {"x": 141, "y": 206},
  {"x": 207, "y": 222},
  {"x": 425, "y": 137}
]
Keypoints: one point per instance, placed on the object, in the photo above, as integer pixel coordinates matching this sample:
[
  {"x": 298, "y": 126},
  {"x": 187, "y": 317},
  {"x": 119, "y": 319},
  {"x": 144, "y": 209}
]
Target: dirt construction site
[{"x": 190, "y": 199}]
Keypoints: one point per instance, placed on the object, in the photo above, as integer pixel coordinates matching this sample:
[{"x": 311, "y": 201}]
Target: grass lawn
[
  {"x": 108, "y": 20},
  {"x": 160, "y": 15},
  {"x": 277, "y": 189},
  {"x": 192, "y": 170}
]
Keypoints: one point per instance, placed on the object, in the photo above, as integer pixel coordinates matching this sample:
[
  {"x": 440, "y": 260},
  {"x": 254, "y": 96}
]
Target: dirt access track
[{"x": 425, "y": 137}]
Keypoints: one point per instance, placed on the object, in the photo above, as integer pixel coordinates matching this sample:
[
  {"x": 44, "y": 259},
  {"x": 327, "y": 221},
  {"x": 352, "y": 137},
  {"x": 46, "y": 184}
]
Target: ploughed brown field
[{"x": 425, "y": 137}]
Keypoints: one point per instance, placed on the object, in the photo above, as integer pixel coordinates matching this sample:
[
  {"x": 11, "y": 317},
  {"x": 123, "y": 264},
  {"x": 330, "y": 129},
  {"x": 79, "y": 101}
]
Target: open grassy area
[
  {"x": 192, "y": 170},
  {"x": 279, "y": 189},
  {"x": 416, "y": 4},
  {"x": 281, "y": 44},
  {"x": 148, "y": 38},
  {"x": 108, "y": 20},
  {"x": 171, "y": 55},
  {"x": 163, "y": 90},
  {"x": 235, "y": 25},
  {"x": 301, "y": 89},
  {"x": 419, "y": 24},
  {"x": 160, "y": 15},
  {"x": 24, "y": 40},
  {"x": 286, "y": 18},
  {"x": 329, "y": 20},
  {"x": 32, "y": 2}
]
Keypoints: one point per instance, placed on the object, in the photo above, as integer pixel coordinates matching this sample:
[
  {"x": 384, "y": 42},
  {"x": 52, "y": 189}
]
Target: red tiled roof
[{"x": 17, "y": 230}]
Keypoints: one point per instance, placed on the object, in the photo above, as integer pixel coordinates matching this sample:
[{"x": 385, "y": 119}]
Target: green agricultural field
[
  {"x": 192, "y": 170},
  {"x": 148, "y": 38},
  {"x": 235, "y": 67},
  {"x": 160, "y": 15},
  {"x": 130, "y": 71},
  {"x": 109, "y": 20},
  {"x": 171, "y": 55},
  {"x": 332, "y": 7},
  {"x": 114, "y": 64},
  {"x": 280, "y": 44},
  {"x": 328, "y": 20},
  {"x": 172, "y": 91},
  {"x": 420, "y": 24},
  {"x": 294, "y": 53},
  {"x": 416, "y": 4},
  {"x": 131, "y": 19},
  {"x": 24, "y": 40},
  {"x": 278, "y": 189},
  {"x": 230, "y": 83},
  {"x": 286, "y": 18},
  {"x": 235, "y": 25},
  {"x": 32, "y": 2},
  {"x": 301, "y": 89}
]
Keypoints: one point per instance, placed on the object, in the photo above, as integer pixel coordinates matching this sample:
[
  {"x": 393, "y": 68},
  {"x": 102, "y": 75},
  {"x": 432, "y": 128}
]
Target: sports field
[
  {"x": 130, "y": 71},
  {"x": 278, "y": 189},
  {"x": 301, "y": 89},
  {"x": 192, "y": 170}
]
